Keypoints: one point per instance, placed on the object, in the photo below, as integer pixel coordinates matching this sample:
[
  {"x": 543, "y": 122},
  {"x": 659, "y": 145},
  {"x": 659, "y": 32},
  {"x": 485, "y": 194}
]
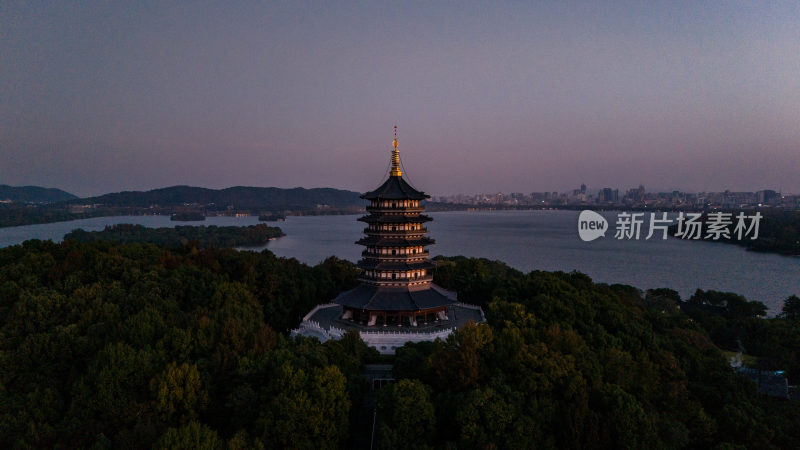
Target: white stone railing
[
  {"x": 308, "y": 324},
  {"x": 434, "y": 333},
  {"x": 335, "y": 332},
  {"x": 386, "y": 341},
  {"x": 340, "y": 332}
]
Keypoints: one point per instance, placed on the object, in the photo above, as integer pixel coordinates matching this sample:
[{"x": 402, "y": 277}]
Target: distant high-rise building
[
  {"x": 608, "y": 195},
  {"x": 766, "y": 196}
]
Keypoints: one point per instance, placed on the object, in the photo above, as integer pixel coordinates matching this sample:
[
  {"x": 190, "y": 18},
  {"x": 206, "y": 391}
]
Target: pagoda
[{"x": 396, "y": 286}]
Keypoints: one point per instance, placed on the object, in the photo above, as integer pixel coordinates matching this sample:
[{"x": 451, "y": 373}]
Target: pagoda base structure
[
  {"x": 387, "y": 317},
  {"x": 331, "y": 321}
]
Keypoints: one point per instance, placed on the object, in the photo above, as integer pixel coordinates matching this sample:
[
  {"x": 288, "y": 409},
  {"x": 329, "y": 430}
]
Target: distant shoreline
[
  {"x": 8, "y": 220},
  {"x": 200, "y": 235}
]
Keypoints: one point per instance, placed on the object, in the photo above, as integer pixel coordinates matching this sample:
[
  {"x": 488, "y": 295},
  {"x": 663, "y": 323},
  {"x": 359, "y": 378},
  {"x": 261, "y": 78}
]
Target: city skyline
[
  {"x": 636, "y": 197},
  {"x": 102, "y": 98}
]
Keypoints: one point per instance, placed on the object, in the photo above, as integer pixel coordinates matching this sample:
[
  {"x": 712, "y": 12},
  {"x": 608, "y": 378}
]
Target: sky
[{"x": 100, "y": 97}]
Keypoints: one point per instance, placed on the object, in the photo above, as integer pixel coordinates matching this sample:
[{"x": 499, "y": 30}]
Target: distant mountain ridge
[
  {"x": 33, "y": 194},
  {"x": 238, "y": 197}
]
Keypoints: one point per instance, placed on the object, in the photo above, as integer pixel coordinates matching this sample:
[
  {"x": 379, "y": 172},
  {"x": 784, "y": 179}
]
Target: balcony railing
[
  {"x": 398, "y": 280},
  {"x": 397, "y": 256},
  {"x": 370, "y": 232},
  {"x": 389, "y": 209}
]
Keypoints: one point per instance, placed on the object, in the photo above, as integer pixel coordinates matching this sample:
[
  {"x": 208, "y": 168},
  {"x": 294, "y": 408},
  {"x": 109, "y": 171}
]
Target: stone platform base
[{"x": 324, "y": 322}]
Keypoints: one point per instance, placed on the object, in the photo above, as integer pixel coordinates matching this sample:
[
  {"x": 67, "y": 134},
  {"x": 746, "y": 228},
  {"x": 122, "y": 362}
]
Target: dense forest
[
  {"x": 200, "y": 236},
  {"x": 110, "y": 345}
]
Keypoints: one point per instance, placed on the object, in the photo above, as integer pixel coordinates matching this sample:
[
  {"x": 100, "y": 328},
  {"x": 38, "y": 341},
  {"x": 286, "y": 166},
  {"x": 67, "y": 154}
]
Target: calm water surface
[{"x": 526, "y": 240}]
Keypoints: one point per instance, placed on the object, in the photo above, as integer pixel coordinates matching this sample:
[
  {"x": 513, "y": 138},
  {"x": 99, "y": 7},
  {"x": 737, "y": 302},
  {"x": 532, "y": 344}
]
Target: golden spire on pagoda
[{"x": 396, "y": 172}]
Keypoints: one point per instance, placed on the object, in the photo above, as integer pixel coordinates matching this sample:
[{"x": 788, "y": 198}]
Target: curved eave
[
  {"x": 394, "y": 242},
  {"x": 395, "y": 188},
  {"x": 397, "y": 218},
  {"x": 396, "y": 233},
  {"x": 375, "y": 298},
  {"x": 373, "y": 264}
]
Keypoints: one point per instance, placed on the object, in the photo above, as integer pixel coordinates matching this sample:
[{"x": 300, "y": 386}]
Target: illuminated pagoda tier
[{"x": 396, "y": 286}]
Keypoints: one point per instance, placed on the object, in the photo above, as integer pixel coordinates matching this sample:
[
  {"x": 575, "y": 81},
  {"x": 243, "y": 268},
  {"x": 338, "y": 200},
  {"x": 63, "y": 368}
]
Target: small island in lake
[
  {"x": 204, "y": 236},
  {"x": 187, "y": 217},
  {"x": 271, "y": 217}
]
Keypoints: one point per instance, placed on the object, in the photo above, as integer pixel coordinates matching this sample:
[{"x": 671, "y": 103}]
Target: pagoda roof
[
  {"x": 395, "y": 265},
  {"x": 381, "y": 298},
  {"x": 395, "y": 188},
  {"x": 394, "y": 242},
  {"x": 394, "y": 218}
]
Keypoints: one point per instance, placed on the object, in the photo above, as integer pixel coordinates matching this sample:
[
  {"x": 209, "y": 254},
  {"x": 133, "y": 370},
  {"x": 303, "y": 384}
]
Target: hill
[
  {"x": 33, "y": 194},
  {"x": 238, "y": 197},
  {"x": 187, "y": 200}
]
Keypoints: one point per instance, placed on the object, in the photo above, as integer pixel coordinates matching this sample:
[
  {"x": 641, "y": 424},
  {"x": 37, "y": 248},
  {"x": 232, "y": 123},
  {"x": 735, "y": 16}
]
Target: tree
[
  {"x": 407, "y": 416},
  {"x": 487, "y": 420},
  {"x": 192, "y": 436},
  {"x": 305, "y": 410},
  {"x": 627, "y": 425},
  {"x": 457, "y": 361},
  {"x": 179, "y": 394},
  {"x": 791, "y": 308}
]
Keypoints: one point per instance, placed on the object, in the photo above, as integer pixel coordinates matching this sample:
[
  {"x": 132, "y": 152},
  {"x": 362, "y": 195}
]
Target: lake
[{"x": 526, "y": 240}]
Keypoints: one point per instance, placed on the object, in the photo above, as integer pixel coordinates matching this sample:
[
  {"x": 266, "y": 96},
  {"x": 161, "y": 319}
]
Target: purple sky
[{"x": 98, "y": 97}]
